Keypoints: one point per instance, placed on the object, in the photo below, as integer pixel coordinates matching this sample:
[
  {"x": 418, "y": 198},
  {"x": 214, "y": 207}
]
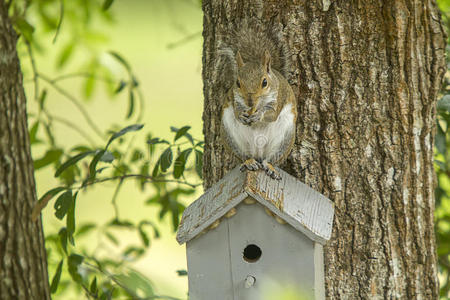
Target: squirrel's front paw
[
  {"x": 250, "y": 164},
  {"x": 244, "y": 118},
  {"x": 255, "y": 118},
  {"x": 270, "y": 170}
]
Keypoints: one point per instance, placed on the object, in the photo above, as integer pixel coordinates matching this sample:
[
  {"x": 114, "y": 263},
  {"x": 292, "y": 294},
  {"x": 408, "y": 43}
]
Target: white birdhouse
[{"x": 250, "y": 234}]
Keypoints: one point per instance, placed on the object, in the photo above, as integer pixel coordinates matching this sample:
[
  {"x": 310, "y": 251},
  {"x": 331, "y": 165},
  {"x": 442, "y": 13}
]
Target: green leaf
[
  {"x": 107, "y": 157},
  {"x": 131, "y": 105},
  {"x": 85, "y": 228},
  {"x": 182, "y": 272},
  {"x": 56, "y": 278},
  {"x": 101, "y": 155},
  {"x": 43, "y": 201},
  {"x": 25, "y": 28},
  {"x": 94, "y": 162},
  {"x": 199, "y": 163},
  {"x": 93, "y": 287},
  {"x": 136, "y": 282},
  {"x": 33, "y": 132},
  {"x": 119, "y": 223},
  {"x": 144, "y": 237},
  {"x": 155, "y": 229},
  {"x": 121, "y": 60},
  {"x": 107, "y": 4},
  {"x": 180, "y": 163},
  {"x": 133, "y": 252},
  {"x": 112, "y": 238},
  {"x": 80, "y": 148},
  {"x": 89, "y": 86},
  {"x": 166, "y": 159},
  {"x": 144, "y": 172},
  {"x": 73, "y": 263},
  {"x": 180, "y": 132},
  {"x": 441, "y": 165},
  {"x": 444, "y": 104},
  {"x": 134, "y": 81},
  {"x": 440, "y": 142},
  {"x": 71, "y": 161},
  {"x": 137, "y": 155},
  {"x": 155, "y": 141},
  {"x": 42, "y": 98},
  {"x": 65, "y": 54},
  {"x": 120, "y": 87},
  {"x": 63, "y": 238},
  {"x": 70, "y": 220},
  {"x": 156, "y": 168},
  {"x": 51, "y": 156},
  {"x": 62, "y": 204},
  {"x": 123, "y": 131}
]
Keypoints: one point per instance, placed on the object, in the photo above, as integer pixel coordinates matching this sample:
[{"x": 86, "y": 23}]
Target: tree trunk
[
  {"x": 23, "y": 265},
  {"x": 366, "y": 74}
]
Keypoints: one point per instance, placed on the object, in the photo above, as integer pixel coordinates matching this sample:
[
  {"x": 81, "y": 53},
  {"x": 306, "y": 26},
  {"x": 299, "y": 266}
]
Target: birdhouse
[{"x": 249, "y": 233}]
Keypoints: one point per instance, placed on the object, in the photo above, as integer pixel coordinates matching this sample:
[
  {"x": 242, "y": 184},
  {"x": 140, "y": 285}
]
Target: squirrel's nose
[{"x": 251, "y": 103}]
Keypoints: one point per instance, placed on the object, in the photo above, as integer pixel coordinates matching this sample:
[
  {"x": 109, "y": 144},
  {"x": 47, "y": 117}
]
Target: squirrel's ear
[
  {"x": 266, "y": 61},
  {"x": 239, "y": 60}
]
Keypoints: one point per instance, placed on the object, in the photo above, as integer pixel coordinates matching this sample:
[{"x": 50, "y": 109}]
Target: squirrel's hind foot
[
  {"x": 270, "y": 170},
  {"x": 251, "y": 164}
]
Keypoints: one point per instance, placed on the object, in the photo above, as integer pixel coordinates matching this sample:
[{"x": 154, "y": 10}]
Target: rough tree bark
[
  {"x": 366, "y": 74},
  {"x": 23, "y": 265}
]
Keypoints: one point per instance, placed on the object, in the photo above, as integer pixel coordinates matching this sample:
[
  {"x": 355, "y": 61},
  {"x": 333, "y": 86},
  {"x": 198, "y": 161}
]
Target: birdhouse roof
[{"x": 300, "y": 206}]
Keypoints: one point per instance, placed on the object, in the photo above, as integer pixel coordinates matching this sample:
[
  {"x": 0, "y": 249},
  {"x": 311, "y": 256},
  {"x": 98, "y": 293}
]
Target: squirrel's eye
[
  {"x": 238, "y": 83},
  {"x": 264, "y": 83}
]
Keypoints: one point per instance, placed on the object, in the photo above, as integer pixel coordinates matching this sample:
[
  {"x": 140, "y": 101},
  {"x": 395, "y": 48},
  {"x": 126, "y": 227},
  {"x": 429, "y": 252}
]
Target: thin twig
[
  {"x": 61, "y": 16},
  {"x": 34, "y": 69},
  {"x": 114, "y": 198},
  {"x": 81, "y": 74},
  {"x": 141, "y": 104},
  {"x": 184, "y": 40},
  {"x": 74, "y": 127},
  {"x": 140, "y": 176},
  {"x": 75, "y": 102}
]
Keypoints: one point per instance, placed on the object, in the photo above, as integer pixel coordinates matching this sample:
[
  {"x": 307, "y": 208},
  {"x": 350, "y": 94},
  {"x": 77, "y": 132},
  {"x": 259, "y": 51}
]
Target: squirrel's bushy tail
[{"x": 252, "y": 40}]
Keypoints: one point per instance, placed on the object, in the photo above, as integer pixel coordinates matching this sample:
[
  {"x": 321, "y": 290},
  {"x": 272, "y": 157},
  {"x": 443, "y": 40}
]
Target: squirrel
[{"x": 260, "y": 110}]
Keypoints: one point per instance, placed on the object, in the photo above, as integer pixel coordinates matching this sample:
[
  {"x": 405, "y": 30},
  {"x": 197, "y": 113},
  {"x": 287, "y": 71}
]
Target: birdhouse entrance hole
[{"x": 252, "y": 253}]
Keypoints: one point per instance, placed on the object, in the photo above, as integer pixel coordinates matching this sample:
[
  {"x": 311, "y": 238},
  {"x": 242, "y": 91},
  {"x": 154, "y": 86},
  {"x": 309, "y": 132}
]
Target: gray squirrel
[{"x": 260, "y": 110}]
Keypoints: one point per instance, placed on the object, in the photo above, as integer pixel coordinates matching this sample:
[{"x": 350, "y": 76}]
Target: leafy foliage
[
  {"x": 163, "y": 170},
  {"x": 442, "y": 166}
]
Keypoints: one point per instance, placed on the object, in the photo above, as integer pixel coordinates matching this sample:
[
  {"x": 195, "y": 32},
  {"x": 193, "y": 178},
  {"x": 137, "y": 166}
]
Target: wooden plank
[
  {"x": 299, "y": 205},
  {"x": 212, "y": 205},
  {"x": 287, "y": 258},
  {"x": 209, "y": 268}
]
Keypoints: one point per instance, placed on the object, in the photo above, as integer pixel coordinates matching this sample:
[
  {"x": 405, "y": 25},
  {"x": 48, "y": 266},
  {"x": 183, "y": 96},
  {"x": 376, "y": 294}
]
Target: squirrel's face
[{"x": 255, "y": 88}]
